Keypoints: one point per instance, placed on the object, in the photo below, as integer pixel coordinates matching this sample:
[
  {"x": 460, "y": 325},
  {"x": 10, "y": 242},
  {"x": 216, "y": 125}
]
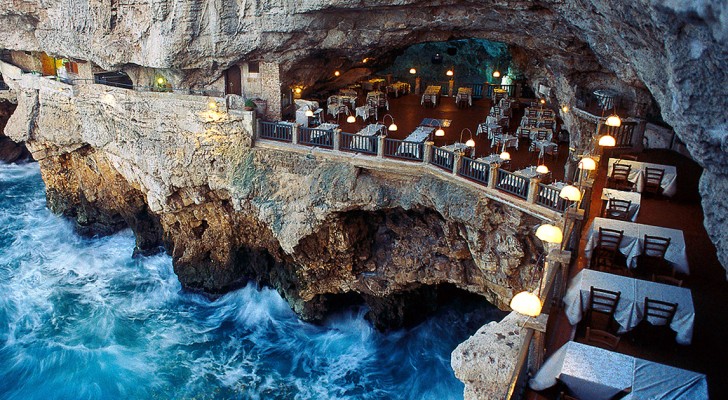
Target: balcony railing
[
  {"x": 475, "y": 170},
  {"x": 548, "y": 197},
  {"x": 316, "y": 137},
  {"x": 442, "y": 158},
  {"x": 403, "y": 149},
  {"x": 276, "y": 131},
  {"x": 359, "y": 143},
  {"x": 512, "y": 183}
]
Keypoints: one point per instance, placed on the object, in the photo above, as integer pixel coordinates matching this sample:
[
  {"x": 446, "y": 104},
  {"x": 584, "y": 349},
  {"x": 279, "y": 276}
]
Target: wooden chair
[
  {"x": 602, "y": 305},
  {"x": 551, "y": 150},
  {"x": 667, "y": 280},
  {"x": 601, "y": 338},
  {"x": 604, "y": 256},
  {"x": 630, "y": 157},
  {"x": 655, "y": 325},
  {"x": 618, "y": 209},
  {"x": 541, "y": 134},
  {"x": 652, "y": 260},
  {"x": 619, "y": 179},
  {"x": 653, "y": 180}
]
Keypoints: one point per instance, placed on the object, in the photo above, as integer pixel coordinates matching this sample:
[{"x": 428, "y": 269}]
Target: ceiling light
[{"x": 337, "y": 73}]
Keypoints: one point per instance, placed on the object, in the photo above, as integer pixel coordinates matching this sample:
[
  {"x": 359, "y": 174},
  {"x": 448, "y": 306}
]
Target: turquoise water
[{"x": 81, "y": 319}]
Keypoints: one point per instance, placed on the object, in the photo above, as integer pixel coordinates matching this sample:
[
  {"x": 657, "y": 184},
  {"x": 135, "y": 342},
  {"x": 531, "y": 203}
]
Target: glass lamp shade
[
  {"x": 607, "y": 141},
  {"x": 587, "y": 164},
  {"x": 392, "y": 127},
  {"x": 542, "y": 169},
  {"x": 570, "y": 192},
  {"x": 351, "y": 119},
  {"x": 337, "y": 73},
  {"x": 439, "y": 132},
  {"x": 613, "y": 120},
  {"x": 496, "y": 74},
  {"x": 413, "y": 71},
  {"x": 505, "y": 156},
  {"x": 550, "y": 233},
  {"x": 309, "y": 113},
  {"x": 470, "y": 143},
  {"x": 449, "y": 72},
  {"x": 526, "y": 303}
]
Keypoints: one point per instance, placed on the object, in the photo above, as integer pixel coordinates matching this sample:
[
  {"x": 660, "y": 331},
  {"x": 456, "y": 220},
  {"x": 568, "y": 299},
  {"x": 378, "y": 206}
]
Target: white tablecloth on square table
[
  {"x": 509, "y": 140},
  {"x": 533, "y": 132},
  {"x": 542, "y": 145},
  {"x": 465, "y": 94},
  {"x": 364, "y": 138},
  {"x": 598, "y": 374},
  {"x": 419, "y": 135},
  {"x": 637, "y": 175},
  {"x": 631, "y": 305},
  {"x": 365, "y": 111},
  {"x": 634, "y": 197},
  {"x": 633, "y": 241},
  {"x": 488, "y": 128},
  {"x": 432, "y": 92},
  {"x": 455, "y": 147}
]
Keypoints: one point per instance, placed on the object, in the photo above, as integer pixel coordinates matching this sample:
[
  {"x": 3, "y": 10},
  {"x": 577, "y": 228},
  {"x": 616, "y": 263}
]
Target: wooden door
[
  {"x": 232, "y": 81},
  {"x": 48, "y": 64}
]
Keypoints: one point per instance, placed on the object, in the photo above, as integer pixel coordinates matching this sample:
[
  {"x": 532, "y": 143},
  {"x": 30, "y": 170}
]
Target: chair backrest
[
  {"x": 601, "y": 338},
  {"x": 532, "y": 122},
  {"x": 541, "y": 135},
  {"x": 552, "y": 149},
  {"x": 653, "y": 179},
  {"x": 667, "y": 280},
  {"x": 603, "y": 301},
  {"x": 333, "y": 100},
  {"x": 525, "y": 133},
  {"x": 609, "y": 239},
  {"x": 659, "y": 312},
  {"x": 655, "y": 246},
  {"x": 532, "y": 114},
  {"x": 621, "y": 171},
  {"x": 618, "y": 209},
  {"x": 630, "y": 157},
  {"x": 548, "y": 124}
]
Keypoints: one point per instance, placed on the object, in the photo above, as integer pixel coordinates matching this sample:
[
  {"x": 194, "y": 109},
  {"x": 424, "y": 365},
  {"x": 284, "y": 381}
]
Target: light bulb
[
  {"x": 565, "y": 108},
  {"x": 496, "y": 74},
  {"x": 542, "y": 169},
  {"x": 351, "y": 119},
  {"x": 613, "y": 120},
  {"x": 607, "y": 141},
  {"x": 470, "y": 143},
  {"x": 526, "y": 303},
  {"x": 440, "y": 132},
  {"x": 587, "y": 164},
  {"x": 505, "y": 156},
  {"x": 392, "y": 127},
  {"x": 413, "y": 71},
  {"x": 337, "y": 73}
]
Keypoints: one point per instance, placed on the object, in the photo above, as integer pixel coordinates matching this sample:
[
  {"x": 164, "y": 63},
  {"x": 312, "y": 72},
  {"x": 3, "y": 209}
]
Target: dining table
[
  {"x": 635, "y": 199},
  {"x": 364, "y": 139},
  {"x": 464, "y": 94},
  {"x": 505, "y": 140},
  {"x": 532, "y": 132},
  {"x": 598, "y": 374},
  {"x": 487, "y": 128},
  {"x": 411, "y": 144},
  {"x": 632, "y": 244},
  {"x": 630, "y": 308},
  {"x": 432, "y": 93},
  {"x": 366, "y": 111},
  {"x": 637, "y": 174},
  {"x": 542, "y": 146}
]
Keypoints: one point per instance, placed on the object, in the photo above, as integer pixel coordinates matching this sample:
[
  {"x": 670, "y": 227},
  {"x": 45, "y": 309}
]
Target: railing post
[
  {"x": 457, "y": 162},
  {"x": 532, "y": 189},
  {"x": 380, "y": 148},
  {"x": 337, "y": 139},
  {"x": 493, "y": 175},
  {"x": 256, "y": 134},
  {"x": 427, "y": 155},
  {"x": 294, "y": 134}
]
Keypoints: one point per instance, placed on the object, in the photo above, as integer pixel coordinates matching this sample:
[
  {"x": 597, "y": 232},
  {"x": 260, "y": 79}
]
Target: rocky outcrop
[
  {"x": 672, "y": 51},
  {"x": 9, "y": 150},
  {"x": 485, "y": 362},
  {"x": 324, "y": 228}
]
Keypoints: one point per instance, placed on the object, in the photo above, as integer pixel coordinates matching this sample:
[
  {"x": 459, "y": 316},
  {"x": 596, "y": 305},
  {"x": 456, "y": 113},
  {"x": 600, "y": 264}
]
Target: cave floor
[
  {"x": 408, "y": 113},
  {"x": 707, "y": 281}
]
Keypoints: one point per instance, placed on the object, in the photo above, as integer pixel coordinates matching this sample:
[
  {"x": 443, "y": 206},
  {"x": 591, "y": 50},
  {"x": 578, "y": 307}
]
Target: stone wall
[{"x": 272, "y": 86}]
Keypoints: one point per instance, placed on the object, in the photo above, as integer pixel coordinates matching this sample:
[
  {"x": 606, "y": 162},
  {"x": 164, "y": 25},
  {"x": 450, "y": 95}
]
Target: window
[{"x": 253, "y": 67}]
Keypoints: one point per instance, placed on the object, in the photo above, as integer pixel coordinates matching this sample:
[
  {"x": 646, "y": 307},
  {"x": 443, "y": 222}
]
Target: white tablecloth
[
  {"x": 455, "y": 147},
  {"x": 542, "y": 145},
  {"x": 364, "y": 139},
  {"x": 465, "y": 94},
  {"x": 365, "y": 112},
  {"x": 432, "y": 92},
  {"x": 634, "y": 197},
  {"x": 632, "y": 242},
  {"x": 630, "y": 309},
  {"x": 489, "y": 128},
  {"x": 637, "y": 175},
  {"x": 419, "y": 135},
  {"x": 598, "y": 374},
  {"x": 509, "y": 140}
]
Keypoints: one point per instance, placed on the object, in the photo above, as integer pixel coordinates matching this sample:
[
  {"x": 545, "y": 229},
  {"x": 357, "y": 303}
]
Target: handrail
[
  {"x": 520, "y": 364},
  {"x": 442, "y": 158},
  {"x": 512, "y": 183}
]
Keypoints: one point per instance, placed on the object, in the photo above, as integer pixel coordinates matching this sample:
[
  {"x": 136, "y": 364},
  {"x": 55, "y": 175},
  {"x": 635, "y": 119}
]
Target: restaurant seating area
[{"x": 653, "y": 309}]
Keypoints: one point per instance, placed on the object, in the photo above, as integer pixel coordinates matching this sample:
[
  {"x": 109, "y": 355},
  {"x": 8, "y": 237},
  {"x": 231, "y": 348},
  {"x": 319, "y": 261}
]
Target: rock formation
[
  {"x": 9, "y": 150},
  {"x": 672, "y": 51}
]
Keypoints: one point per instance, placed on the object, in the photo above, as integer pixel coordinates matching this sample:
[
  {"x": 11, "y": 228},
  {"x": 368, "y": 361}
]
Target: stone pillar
[
  {"x": 418, "y": 83},
  {"x": 457, "y": 162},
  {"x": 337, "y": 139},
  {"x": 380, "y": 146},
  {"x": 271, "y": 89},
  {"x": 493, "y": 175},
  {"x": 532, "y": 190},
  {"x": 450, "y": 86},
  {"x": 294, "y": 134},
  {"x": 427, "y": 155}
]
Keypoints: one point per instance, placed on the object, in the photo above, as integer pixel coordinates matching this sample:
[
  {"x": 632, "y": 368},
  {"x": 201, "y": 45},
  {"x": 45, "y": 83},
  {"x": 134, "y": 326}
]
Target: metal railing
[
  {"x": 276, "y": 131},
  {"x": 477, "y": 89},
  {"x": 511, "y": 89},
  {"x": 442, "y": 158},
  {"x": 622, "y": 134},
  {"x": 512, "y": 183},
  {"x": 403, "y": 149},
  {"x": 475, "y": 170},
  {"x": 316, "y": 137},
  {"x": 548, "y": 197},
  {"x": 359, "y": 143}
]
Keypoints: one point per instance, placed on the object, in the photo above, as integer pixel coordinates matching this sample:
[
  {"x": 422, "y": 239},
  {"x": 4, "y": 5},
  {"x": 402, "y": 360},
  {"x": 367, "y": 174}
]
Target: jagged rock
[
  {"x": 485, "y": 362},
  {"x": 10, "y": 151}
]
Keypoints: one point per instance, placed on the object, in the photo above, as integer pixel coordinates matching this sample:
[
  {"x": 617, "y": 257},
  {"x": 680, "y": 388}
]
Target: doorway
[{"x": 232, "y": 81}]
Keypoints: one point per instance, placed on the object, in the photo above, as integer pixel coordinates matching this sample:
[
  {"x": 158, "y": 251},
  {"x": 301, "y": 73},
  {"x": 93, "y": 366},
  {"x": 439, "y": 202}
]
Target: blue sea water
[{"x": 81, "y": 319}]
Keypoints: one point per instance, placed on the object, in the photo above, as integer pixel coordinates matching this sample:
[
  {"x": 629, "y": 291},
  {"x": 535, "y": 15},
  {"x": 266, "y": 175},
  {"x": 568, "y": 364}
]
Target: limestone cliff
[
  {"x": 322, "y": 228},
  {"x": 670, "y": 50}
]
